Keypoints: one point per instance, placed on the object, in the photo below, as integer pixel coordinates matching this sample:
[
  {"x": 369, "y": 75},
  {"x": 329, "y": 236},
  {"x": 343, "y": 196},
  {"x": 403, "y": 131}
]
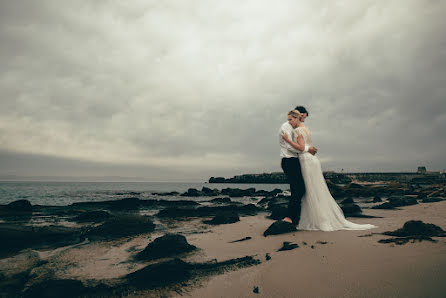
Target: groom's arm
[{"x": 287, "y": 145}]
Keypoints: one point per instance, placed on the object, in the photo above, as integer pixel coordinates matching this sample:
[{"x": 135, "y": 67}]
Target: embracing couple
[{"x": 311, "y": 205}]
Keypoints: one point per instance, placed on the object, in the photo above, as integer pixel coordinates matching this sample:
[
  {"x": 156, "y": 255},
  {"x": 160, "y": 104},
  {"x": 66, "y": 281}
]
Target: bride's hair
[{"x": 294, "y": 113}]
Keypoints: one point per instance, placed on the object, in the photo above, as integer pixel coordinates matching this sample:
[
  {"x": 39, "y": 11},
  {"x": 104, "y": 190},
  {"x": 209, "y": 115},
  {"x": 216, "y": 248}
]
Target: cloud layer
[{"x": 190, "y": 88}]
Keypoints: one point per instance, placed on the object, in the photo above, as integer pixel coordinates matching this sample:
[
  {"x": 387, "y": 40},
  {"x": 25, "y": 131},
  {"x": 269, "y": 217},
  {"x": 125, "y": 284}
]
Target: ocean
[{"x": 66, "y": 193}]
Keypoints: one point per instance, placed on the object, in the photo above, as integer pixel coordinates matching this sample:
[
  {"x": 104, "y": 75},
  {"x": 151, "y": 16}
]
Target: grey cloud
[{"x": 202, "y": 84}]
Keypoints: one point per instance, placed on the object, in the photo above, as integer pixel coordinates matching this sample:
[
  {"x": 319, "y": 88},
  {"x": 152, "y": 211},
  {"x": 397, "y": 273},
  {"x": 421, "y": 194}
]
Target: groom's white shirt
[{"x": 286, "y": 150}]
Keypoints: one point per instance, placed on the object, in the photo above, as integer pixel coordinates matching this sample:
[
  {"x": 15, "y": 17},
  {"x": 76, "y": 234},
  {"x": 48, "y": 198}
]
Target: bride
[{"x": 319, "y": 210}]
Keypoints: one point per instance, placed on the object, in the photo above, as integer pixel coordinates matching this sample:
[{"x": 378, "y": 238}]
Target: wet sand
[{"x": 346, "y": 266}]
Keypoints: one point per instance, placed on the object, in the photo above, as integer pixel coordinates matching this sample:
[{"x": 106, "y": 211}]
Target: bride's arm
[{"x": 300, "y": 145}]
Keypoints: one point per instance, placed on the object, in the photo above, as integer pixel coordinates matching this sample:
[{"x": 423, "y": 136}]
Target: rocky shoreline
[{"x": 149, "y": 237}]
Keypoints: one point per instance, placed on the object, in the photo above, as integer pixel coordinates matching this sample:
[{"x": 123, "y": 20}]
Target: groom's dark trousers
[{"x": 292, "y": 170}]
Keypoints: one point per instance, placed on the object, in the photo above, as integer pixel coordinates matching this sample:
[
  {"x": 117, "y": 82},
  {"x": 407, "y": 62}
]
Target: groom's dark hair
[{"x": 302, "y": 110}]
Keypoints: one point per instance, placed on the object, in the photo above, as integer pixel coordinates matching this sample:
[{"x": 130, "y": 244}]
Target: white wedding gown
[{"x": 319, "y": 210}]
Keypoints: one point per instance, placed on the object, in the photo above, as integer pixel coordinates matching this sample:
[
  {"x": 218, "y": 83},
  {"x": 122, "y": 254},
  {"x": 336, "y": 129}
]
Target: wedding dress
[{"x": 319, "y": 210}]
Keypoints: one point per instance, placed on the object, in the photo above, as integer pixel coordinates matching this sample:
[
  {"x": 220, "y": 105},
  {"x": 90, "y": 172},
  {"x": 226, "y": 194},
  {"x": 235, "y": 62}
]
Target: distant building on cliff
[{"x": 421, "y": 170}]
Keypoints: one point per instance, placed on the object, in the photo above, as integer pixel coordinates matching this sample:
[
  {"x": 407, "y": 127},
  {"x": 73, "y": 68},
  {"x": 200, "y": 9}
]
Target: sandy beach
[
  {"x": 190, "y": 248},
  {"x": 348, "y": 265}
]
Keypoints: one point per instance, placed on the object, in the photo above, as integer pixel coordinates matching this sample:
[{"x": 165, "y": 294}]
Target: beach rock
[
  {"x": 224, "y": 218},
  {"x": 288, "y": 246},
  {"x": 20, "y": 206},
  {"x": 255, "y": 290},
  {"x": 394, "y": 202},
  {"x": 17, "y": 237},
  {"x": 236, "y": 192},
  {"x": 280, "y": 227},
  {"x": 377, "y": 199},
  {"x": 160, "y": 274},
  {"x": 221, "y": 200},
  {"x": 93, "y": 216},
  {"x": 14, "y": 272},
  {"x": 174, "y": 212},
  {"x": 414, "y": 230},
  {"x": 125, "y": 204},
  {"x": 351, "y": 209},
  {"x": 348, "y": 201},
  {"x": 417, "y": 227},
  {"x": 402, "y": 201},
  {"x": 168, "y": 245},
  {"x": 210, "y": 192},
  {"x": 56, "y": 288},
  {"x": 121, "y": 226},
  {"x": 432, "y": 200},
  {"x": 192, "y": 192},
  {"x": 172, "y": 193}
]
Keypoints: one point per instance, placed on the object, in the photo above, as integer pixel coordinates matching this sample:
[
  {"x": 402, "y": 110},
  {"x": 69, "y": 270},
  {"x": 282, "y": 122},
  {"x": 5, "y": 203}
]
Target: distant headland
[{"x": 421, "y": 176}]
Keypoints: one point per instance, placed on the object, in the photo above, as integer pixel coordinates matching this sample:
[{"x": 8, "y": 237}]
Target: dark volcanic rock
[
  {"x": 394, "y": 202},
  {"x": 236, "y": 192},
  {"x": 224, "y": 218},
  {"x": 280, "y": 227},
  {"x": 174, "y": 212},
  {"x": 20, "y": 206},
  {"x": 192, "y": 192},
  {"x": 121, "y": 226},
  {"x": 221, "y": 200},
  {"x": 125, "y": 204},
  {"x": 432, "y": 200},
  {"x": 417, "y": 227},
  {"x": 351, "y": 209},
  {"x": 176, "y": 270},
  {"x": 210, "y": 192},
  {"x": 288, "y": 246},
  {"x": 377, "y": 199},
  {"x": 93, "y": 216},
  {"x": 56, "y": 288},
  {"x": 348, "y": 201},
  {"x": 168, "y": 245},
  {"x": 172, "y": 193},
  {"x": 160, "y": 274},
  {"x": 17, "y": 237},
  {"x": 414, "y": 230}
]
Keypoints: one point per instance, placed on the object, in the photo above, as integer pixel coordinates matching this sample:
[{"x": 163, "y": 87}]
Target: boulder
[
  {"x": 224, "y": 218},
  {"x": 377, "y": 199},
  {"x": 192, "y": 192},
  {"x": 209, "y": 192},
  {"x": 168, "y": 245},
  {"x": 121, "y": 226},
  {"x": 280, "y": 227},
  {"x": 56, "y": 288},
  {"x": 160, "y": 274},
  {"x": 93, "y": 216},
  {"x": 20, "y": 206},
  {"x": 351, "y": 209},
  {"x": 17, "y": 237},
  {"x": 349, "y": 200},
  {"x": 432, "y": 200},
  {"x": 221, "y": 200},
  {"x": 417, "y": 228}
]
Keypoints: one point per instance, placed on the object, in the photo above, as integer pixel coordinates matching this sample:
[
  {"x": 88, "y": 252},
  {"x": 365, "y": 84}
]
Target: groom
[{"x": 291, "y": 166}]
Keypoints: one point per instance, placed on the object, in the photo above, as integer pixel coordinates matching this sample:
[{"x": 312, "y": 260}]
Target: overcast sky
[{"x": 178, "y": 90}]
